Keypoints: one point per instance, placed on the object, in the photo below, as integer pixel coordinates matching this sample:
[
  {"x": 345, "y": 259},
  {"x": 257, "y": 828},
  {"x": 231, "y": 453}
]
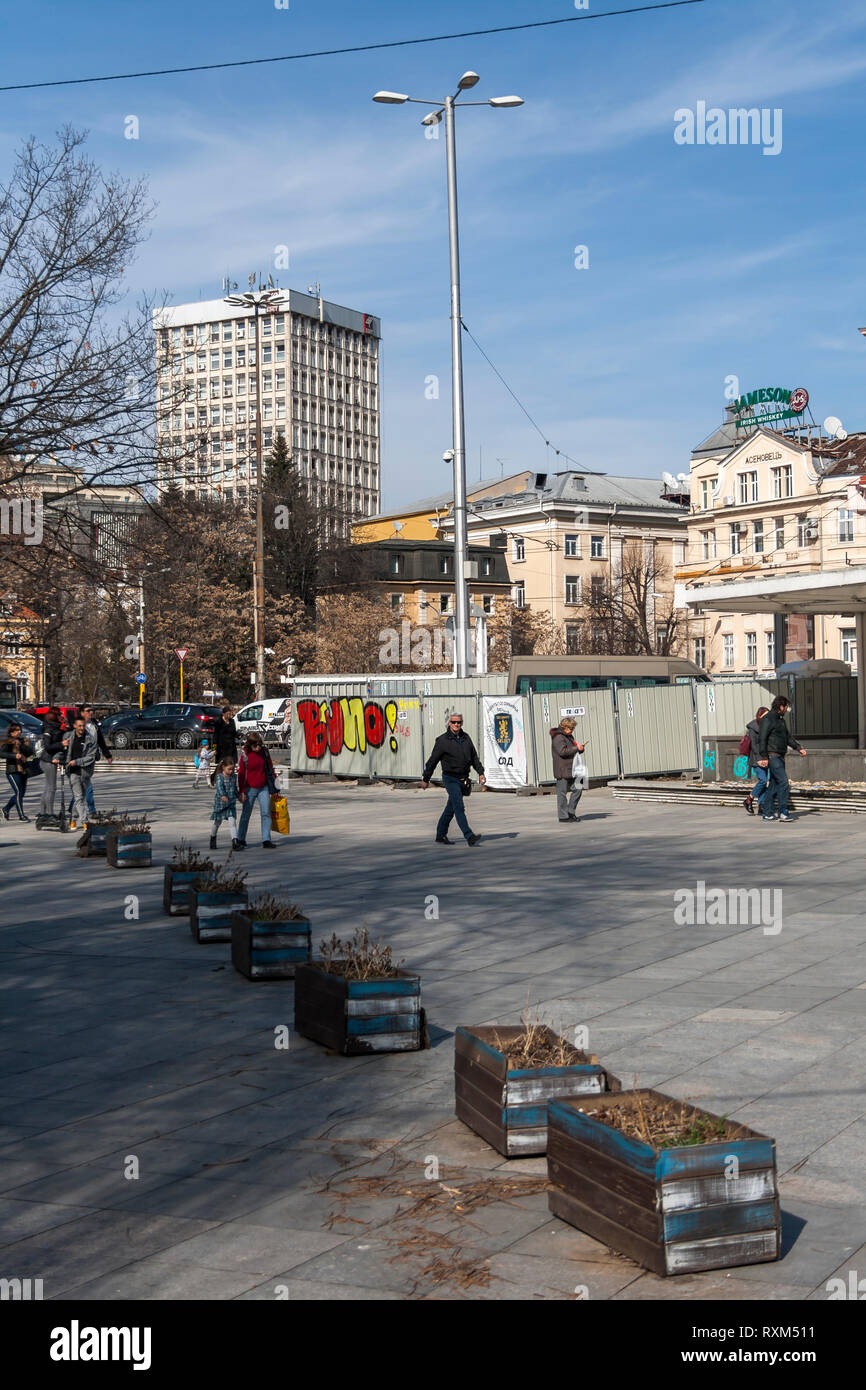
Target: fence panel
[
  {"x": 352, "y": 735},
  {"x": 656, "y": 729},
  {"x": 725, "y": 707},
  {"x": 824, "y": 705},
  {"x": 435, "y": 712},
  {"x": 595, "y": 726}
]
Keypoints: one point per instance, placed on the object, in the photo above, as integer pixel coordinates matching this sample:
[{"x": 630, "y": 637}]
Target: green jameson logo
[{"x": 781, "y": 405}]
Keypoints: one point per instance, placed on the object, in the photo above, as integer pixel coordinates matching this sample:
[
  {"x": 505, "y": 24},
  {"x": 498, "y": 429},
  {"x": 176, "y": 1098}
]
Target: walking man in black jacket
[
  {"x": 774, "y": 740},
  {"x": 456, "y": 752}
]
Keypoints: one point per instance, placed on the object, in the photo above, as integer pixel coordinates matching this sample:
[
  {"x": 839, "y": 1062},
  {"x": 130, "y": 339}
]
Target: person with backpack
[
  {"x": 203, "y": 759},
  {"x": 48, "y": 746},
  {"x": 774, "y": 740},
  {"x": 565, "y": 750},
  {"x": 19, "y": 754},
  {"x": 257, "y": 782},
  {"x": 749, "y": 748},
  {"x": 456, "y": 752}
]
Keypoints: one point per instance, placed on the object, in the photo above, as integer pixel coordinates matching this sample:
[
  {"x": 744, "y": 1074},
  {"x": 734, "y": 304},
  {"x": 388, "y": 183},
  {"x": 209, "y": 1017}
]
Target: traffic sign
[
  {"x": 141, "y": 678},
  {"x": 181, "y": 652}
]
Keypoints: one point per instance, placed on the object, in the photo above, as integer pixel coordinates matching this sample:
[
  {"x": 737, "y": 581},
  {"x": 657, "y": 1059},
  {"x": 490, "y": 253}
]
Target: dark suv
[{"x": 175, "y": 726}]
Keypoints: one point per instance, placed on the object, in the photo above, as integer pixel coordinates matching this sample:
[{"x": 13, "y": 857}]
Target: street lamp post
[
  {"x": 257, "y": 300},
  {"x": 458, "y": 450}
]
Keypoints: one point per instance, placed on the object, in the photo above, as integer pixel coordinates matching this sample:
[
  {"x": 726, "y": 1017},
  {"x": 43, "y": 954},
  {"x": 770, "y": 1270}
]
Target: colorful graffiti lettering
[
  {"x": 741, "y": 767},
  {"x": 709, "y": 760},
  {"x": 353, "y": 724}
]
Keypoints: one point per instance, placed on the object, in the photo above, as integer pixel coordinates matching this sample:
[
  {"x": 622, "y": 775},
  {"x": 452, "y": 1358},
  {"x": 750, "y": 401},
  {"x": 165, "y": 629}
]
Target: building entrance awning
[{"x": 840, "y": 592}]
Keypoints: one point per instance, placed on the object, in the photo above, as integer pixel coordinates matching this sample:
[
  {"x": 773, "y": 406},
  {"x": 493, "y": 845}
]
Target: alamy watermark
[
  {"x": 22, "y": 516},
  {"x": 729, "y": 907},
  {"x": 736, "y": 126}
]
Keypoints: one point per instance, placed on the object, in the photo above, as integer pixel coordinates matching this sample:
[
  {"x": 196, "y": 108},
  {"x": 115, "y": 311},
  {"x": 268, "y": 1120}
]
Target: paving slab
[{"x": 126, "y": 1038}]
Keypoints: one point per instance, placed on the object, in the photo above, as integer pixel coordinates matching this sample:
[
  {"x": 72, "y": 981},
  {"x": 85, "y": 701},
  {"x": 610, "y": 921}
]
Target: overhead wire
[{"x": 352, "y": 48}]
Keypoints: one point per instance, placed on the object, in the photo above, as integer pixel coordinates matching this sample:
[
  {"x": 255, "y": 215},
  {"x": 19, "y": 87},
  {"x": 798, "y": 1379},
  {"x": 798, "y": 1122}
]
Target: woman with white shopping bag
[{"x": 569, "y": 769}]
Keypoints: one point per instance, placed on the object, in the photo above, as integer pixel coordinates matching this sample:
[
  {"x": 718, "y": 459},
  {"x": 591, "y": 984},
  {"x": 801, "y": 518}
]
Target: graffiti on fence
[{"x": 353, "y": 724}]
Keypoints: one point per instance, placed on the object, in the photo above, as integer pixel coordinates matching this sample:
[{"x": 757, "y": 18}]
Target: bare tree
[
  {"x": 632, "y": 613},
  {"x": 69, "y": 379}
]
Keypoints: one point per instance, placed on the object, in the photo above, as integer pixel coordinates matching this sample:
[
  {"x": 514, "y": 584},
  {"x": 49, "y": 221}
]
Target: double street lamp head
[{"x": 467, "y": 81}]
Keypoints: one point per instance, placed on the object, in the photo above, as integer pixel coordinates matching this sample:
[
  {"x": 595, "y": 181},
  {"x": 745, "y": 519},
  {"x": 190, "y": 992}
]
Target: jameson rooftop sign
[{"x": 779, "y": 405}]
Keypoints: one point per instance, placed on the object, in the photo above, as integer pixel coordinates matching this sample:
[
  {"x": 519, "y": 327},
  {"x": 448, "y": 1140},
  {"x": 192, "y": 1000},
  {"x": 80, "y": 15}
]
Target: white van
[{"x": 272, "y": 719}]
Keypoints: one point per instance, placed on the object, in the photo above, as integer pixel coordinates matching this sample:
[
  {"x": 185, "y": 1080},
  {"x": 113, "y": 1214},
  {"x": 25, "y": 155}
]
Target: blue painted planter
[
  {"x": 210, "y": 914},
  {"x": 358, "y": 1016},
  {"x": 99, "y": 833},
  {"x": 176, "y": 884},
  {"x": 128, "y": 849},
  {"x": 267, "y": 950},
  {"x": 507, "y": 1105},
  {"x": 676, "y": 1210}
]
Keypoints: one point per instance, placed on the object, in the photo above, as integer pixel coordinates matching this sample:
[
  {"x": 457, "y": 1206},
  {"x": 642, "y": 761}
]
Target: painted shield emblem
[{"x": 504, "y": 731}]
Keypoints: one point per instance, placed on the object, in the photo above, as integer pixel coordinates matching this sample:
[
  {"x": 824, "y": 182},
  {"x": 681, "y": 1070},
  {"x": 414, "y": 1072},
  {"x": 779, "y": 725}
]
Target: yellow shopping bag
[{"x": 279, "y": 814}]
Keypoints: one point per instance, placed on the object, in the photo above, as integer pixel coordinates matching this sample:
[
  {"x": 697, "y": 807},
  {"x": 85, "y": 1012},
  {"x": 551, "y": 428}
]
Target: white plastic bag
[{"x": 580, "y": 772}]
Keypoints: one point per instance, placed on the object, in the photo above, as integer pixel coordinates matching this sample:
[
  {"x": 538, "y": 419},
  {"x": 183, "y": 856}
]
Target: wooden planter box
[
  {"x": 357, "y": 1016},
  {"x": 128, "y": 849},
  {"x": 676, "y": 1211},
  {"x": 266, "y": 950},
  {"x": 210, "y": 914},
  {"x": 507, "y": 1105},
  {"x": 176, "y": 884},
  {"x": 97, "y": 841}
]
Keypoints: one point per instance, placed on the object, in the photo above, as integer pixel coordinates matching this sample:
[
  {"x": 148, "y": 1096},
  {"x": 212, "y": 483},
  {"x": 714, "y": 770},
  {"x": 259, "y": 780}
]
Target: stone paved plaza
[{"x": 266, "y": 1173}]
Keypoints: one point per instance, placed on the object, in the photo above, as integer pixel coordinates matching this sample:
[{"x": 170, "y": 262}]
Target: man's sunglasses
[{"x": 455, "y": 721}]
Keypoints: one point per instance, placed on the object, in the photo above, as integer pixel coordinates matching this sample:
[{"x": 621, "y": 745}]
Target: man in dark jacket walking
[
  {"x": 774, "y": 740},
  {"x": 225, "y": 736},
  {"x": 568, "y": 793},
  {"x": 456, "y": 752}
]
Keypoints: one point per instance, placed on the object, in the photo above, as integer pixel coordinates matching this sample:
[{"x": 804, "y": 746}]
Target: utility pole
[{"x": 141, "y": 665}]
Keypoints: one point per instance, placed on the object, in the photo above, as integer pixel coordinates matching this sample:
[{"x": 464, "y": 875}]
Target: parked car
[
  {"x": 270, "y": 717},
  {"x": 30, "y": 727},
  {"x": 67, "y": 713},
  {"x": 175, "y": 725}
]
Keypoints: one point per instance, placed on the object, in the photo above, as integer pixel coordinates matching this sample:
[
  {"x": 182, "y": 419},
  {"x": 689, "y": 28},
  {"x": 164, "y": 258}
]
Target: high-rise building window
[
  {"x": 572, "y": 547},
  {"x": 572, "y": 589},
  {"x": 596, "y": 547}
]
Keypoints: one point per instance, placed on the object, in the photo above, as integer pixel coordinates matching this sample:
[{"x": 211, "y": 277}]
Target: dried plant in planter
[
  {"x": 358, "y": 959},
  {"x": 538, "y": 1046},
  {"x": 270, "y": 907},
  {"x": 188, "y": 857},
  {"x": 664, "y": 1123},
  {"x": 223, "y": 879},
  {"x": 113, "y": 817},
  {"x": 134, "y": 825}
]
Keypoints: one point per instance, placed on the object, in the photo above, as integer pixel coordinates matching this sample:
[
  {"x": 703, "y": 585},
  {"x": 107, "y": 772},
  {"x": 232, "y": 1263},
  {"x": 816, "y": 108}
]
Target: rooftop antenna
[{"x": 833, "y": 426}]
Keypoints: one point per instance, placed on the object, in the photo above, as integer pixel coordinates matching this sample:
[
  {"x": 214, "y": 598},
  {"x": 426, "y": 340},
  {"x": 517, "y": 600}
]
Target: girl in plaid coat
[{"x": 224, "y": 800}]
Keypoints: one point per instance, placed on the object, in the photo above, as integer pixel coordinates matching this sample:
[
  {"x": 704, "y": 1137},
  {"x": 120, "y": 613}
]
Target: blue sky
[{"x": 704, "y": 261}]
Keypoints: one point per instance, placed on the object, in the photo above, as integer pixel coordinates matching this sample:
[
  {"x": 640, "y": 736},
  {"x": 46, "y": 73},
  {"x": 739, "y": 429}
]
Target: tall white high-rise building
[{"x": 320, "y": 388}]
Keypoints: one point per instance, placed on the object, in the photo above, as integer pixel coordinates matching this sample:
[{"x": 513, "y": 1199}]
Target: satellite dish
[
  {"x": 833, "y": 426},
  {"x": 669, "y": 480},
  {"x": 683, "y": 478}
]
